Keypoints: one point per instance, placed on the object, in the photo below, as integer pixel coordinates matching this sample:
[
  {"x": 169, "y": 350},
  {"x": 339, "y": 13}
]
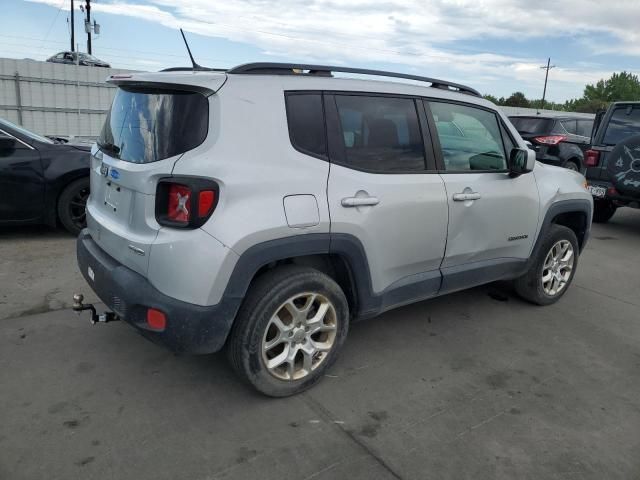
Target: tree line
[{"x": 623, "y": 86}]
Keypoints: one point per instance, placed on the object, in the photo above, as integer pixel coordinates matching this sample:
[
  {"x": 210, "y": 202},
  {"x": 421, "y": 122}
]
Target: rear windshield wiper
[{"x": 109, "y": 147}]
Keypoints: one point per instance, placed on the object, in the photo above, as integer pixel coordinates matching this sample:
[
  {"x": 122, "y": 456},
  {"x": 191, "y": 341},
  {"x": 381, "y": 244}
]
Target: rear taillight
[
  {"x": 179, "y": 203},
  {"x": 550, "y": 139},
  {"x": 591, "y": 158},
  {"x": 185, "y": 202}
]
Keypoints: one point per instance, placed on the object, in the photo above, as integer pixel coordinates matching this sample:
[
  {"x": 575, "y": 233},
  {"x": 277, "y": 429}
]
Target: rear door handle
[
  {"x": 463, "y": 197},
  {"x": 359, "y": 201}
]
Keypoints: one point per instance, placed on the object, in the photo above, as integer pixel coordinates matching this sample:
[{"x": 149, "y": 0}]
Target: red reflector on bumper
[{"x": 156, "y": 319}]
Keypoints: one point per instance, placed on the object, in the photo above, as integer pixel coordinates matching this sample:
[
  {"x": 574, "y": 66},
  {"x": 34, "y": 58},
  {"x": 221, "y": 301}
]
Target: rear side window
[
  {"x": 470, "y": 138},
  {"x": 624, "y": 122},
  {"x": 305, "y": 117},
  {"x": 570, "y": 126},
  {"x": 380, "y": 134},
  {"x": 147, "y": 125},
  {"x": 585, "y": 127}
]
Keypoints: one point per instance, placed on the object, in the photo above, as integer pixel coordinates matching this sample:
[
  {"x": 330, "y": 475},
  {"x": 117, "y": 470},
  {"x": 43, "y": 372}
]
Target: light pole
[{"x": 546, "y": 76}]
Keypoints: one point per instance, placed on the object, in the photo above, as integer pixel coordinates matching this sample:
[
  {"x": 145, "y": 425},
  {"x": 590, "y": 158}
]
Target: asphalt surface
[{"x": 475, "y": 385}]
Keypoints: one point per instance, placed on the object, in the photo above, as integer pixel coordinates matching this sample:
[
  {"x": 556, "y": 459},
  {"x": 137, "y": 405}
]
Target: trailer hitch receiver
[{"x": 79, "y": 307}]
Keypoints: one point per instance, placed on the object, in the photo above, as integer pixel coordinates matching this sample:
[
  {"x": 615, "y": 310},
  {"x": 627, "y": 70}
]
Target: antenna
[{"x": 193, "y": 62}]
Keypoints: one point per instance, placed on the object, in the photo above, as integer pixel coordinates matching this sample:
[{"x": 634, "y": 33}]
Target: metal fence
[{"x": 55, "y": 99}]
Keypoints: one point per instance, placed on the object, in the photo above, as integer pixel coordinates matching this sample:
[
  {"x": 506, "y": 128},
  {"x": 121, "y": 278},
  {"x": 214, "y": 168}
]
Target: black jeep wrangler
[{"x": 613, "y": 161}]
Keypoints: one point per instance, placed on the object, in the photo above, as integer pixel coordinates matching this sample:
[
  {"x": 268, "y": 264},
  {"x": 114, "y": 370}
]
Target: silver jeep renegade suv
[{"x": 264, "y": 208}]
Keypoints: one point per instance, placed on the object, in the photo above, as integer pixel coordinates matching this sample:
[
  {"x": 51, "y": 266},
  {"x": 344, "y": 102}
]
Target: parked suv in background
[
  {"x": 266, "y": 207},
  {"x": 613, "y": 162},
  {"x": 559, "y": 141}
]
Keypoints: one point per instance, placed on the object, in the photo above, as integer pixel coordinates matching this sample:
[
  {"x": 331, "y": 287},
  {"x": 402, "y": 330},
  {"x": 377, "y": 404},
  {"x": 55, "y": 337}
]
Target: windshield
[
  {"x": 24, "y": 131},
  {"x": 146, "y": 125},
  {"x": 624, "y": 122},
  {"x": 526, "y": 125}
]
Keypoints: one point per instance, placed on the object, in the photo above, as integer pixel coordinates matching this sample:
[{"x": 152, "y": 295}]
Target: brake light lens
[
  {"x": 550, "y": 139},
  {"x": 185, "y": 202},
  {"x": 179, "y": 206},
  {"x": 206, "y": 200},
  {"x": 591, "y": 158}
]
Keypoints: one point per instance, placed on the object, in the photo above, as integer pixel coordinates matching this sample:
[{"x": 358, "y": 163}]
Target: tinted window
[
  {"x": 306, "y": 123},
  {"x": 526, "y": 125},
  {"x": 624, "y": 122},
  {"x": 570, "y": 126},
  {"x": 585, "y": 127},
  {"x": 149, "y": 125},
  {"x": 381, "y": 134},
  {"x": 470, "y": 138}
]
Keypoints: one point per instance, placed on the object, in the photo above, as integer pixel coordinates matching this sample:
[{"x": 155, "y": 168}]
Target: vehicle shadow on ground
[{"x": 32, "y": 231}]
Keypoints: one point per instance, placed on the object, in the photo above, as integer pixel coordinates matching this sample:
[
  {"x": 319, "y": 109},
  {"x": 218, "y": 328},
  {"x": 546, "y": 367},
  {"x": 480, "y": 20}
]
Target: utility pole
[
  {"x": 546, "y": 76},
  {"x": 73, "y": 39},
  {"x": 87, "y": 26}
]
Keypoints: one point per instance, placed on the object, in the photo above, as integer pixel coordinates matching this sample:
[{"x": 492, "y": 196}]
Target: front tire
[
  {"x": 552, "y": 269},
  {"x": 289, "y": 330}
]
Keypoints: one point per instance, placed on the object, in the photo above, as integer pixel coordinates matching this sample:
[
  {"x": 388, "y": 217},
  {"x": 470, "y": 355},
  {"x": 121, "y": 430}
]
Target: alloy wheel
[
  {"x": 77, "y": 208},
  {"x": 299, "y": 336},
  {"x": 557, "y": 268}
]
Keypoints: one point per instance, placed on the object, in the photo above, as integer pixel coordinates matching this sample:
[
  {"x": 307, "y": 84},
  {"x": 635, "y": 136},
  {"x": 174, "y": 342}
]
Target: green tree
[
  {"x": 517, "y": 99},
  {"x": 491, "y": 98},
  {"x": 620, "y": 86}
]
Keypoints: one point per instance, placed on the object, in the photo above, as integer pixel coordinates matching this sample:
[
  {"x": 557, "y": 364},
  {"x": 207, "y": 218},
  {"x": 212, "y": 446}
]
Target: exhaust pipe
[{"x": 79, "y": 307}]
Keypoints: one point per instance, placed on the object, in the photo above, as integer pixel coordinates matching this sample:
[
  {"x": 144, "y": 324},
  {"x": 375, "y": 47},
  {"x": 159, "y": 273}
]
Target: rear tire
[
  {"x": 572, "y": 165},
  {"x": 603, "y": 210},
  {"x": 552, "y": 269},
  {"x": 289, "y": 330},
  {"x": 72, "y": 205}
]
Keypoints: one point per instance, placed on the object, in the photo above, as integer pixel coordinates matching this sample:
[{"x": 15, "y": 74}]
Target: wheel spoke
[{"x": 279, "y": 359}]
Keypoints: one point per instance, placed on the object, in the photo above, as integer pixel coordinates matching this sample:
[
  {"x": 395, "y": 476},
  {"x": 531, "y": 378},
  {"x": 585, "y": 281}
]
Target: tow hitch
[{"x": 78, "y": 307}]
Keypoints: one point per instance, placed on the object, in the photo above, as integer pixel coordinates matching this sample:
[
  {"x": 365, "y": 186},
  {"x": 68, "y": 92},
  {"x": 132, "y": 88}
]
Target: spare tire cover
[{"x": 624, "y": 166}]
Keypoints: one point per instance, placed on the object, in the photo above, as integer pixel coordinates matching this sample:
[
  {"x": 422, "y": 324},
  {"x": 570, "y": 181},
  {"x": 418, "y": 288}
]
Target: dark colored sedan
[
  {"x": 559, "y": 141},
  {"x": 42, "y": 181},
  {"x": 71, "y": 58}
]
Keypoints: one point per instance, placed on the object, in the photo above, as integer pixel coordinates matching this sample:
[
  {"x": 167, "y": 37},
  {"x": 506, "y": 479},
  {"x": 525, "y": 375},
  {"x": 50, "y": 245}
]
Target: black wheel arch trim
[{"x": 565, "y": 206}]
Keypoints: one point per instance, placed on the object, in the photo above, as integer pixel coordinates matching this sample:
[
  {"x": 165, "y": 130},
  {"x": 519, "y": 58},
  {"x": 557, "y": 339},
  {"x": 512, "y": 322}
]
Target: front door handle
[
  {"x": 463, "y": 197},
  {"x": 359, "y": 201}
]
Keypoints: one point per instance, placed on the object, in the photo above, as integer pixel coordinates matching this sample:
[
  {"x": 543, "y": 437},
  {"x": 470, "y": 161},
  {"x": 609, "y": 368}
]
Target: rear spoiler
[{"x": 206, "y": 84}]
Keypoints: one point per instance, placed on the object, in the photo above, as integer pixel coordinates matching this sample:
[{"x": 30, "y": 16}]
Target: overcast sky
[{"x": 496, "y": 46}]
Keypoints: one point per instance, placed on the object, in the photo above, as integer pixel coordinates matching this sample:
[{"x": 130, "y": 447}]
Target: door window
[
  {"x": 470, "y": 138},
  {"x": 380, "y": 134}
]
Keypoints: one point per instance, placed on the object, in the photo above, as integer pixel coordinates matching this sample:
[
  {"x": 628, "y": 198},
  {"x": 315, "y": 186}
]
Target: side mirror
[
  {"x": 7, "y": 145},
  {"x": 521, "y": 160}
]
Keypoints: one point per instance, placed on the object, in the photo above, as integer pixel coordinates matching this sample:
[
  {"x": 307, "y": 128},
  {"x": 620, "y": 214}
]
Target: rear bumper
[{"x": 190, "y": 328}]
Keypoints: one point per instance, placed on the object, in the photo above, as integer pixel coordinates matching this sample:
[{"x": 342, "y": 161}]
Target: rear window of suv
[
  {"x": 526, "y": 125},
  {"x": 147, "y": 125},
  {"x": 624, "y": 122}
]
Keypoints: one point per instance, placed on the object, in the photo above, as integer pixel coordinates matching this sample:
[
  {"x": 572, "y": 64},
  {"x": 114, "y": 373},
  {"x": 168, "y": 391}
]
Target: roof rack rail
[
  {"x": 326, "y": 70},
  {"x": 191, "y": 69}
]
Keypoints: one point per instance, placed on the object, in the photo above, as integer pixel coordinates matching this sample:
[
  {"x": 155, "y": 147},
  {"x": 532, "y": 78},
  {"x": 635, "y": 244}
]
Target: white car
[{"x": 266, "y": 207}]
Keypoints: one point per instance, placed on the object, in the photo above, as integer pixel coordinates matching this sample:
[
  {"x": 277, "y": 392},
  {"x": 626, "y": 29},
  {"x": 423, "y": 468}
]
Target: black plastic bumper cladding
[{"x": 190, "y": 328}]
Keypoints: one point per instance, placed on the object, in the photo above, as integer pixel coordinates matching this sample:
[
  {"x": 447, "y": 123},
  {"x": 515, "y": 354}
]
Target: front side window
[
  {"x": 146, "y": 125},
  {"x": 624, "y": 122},
  {"x": 470, "y": 138},
  {"x": 380, "y": 134},
  {"x": 305, "y": 117}
]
